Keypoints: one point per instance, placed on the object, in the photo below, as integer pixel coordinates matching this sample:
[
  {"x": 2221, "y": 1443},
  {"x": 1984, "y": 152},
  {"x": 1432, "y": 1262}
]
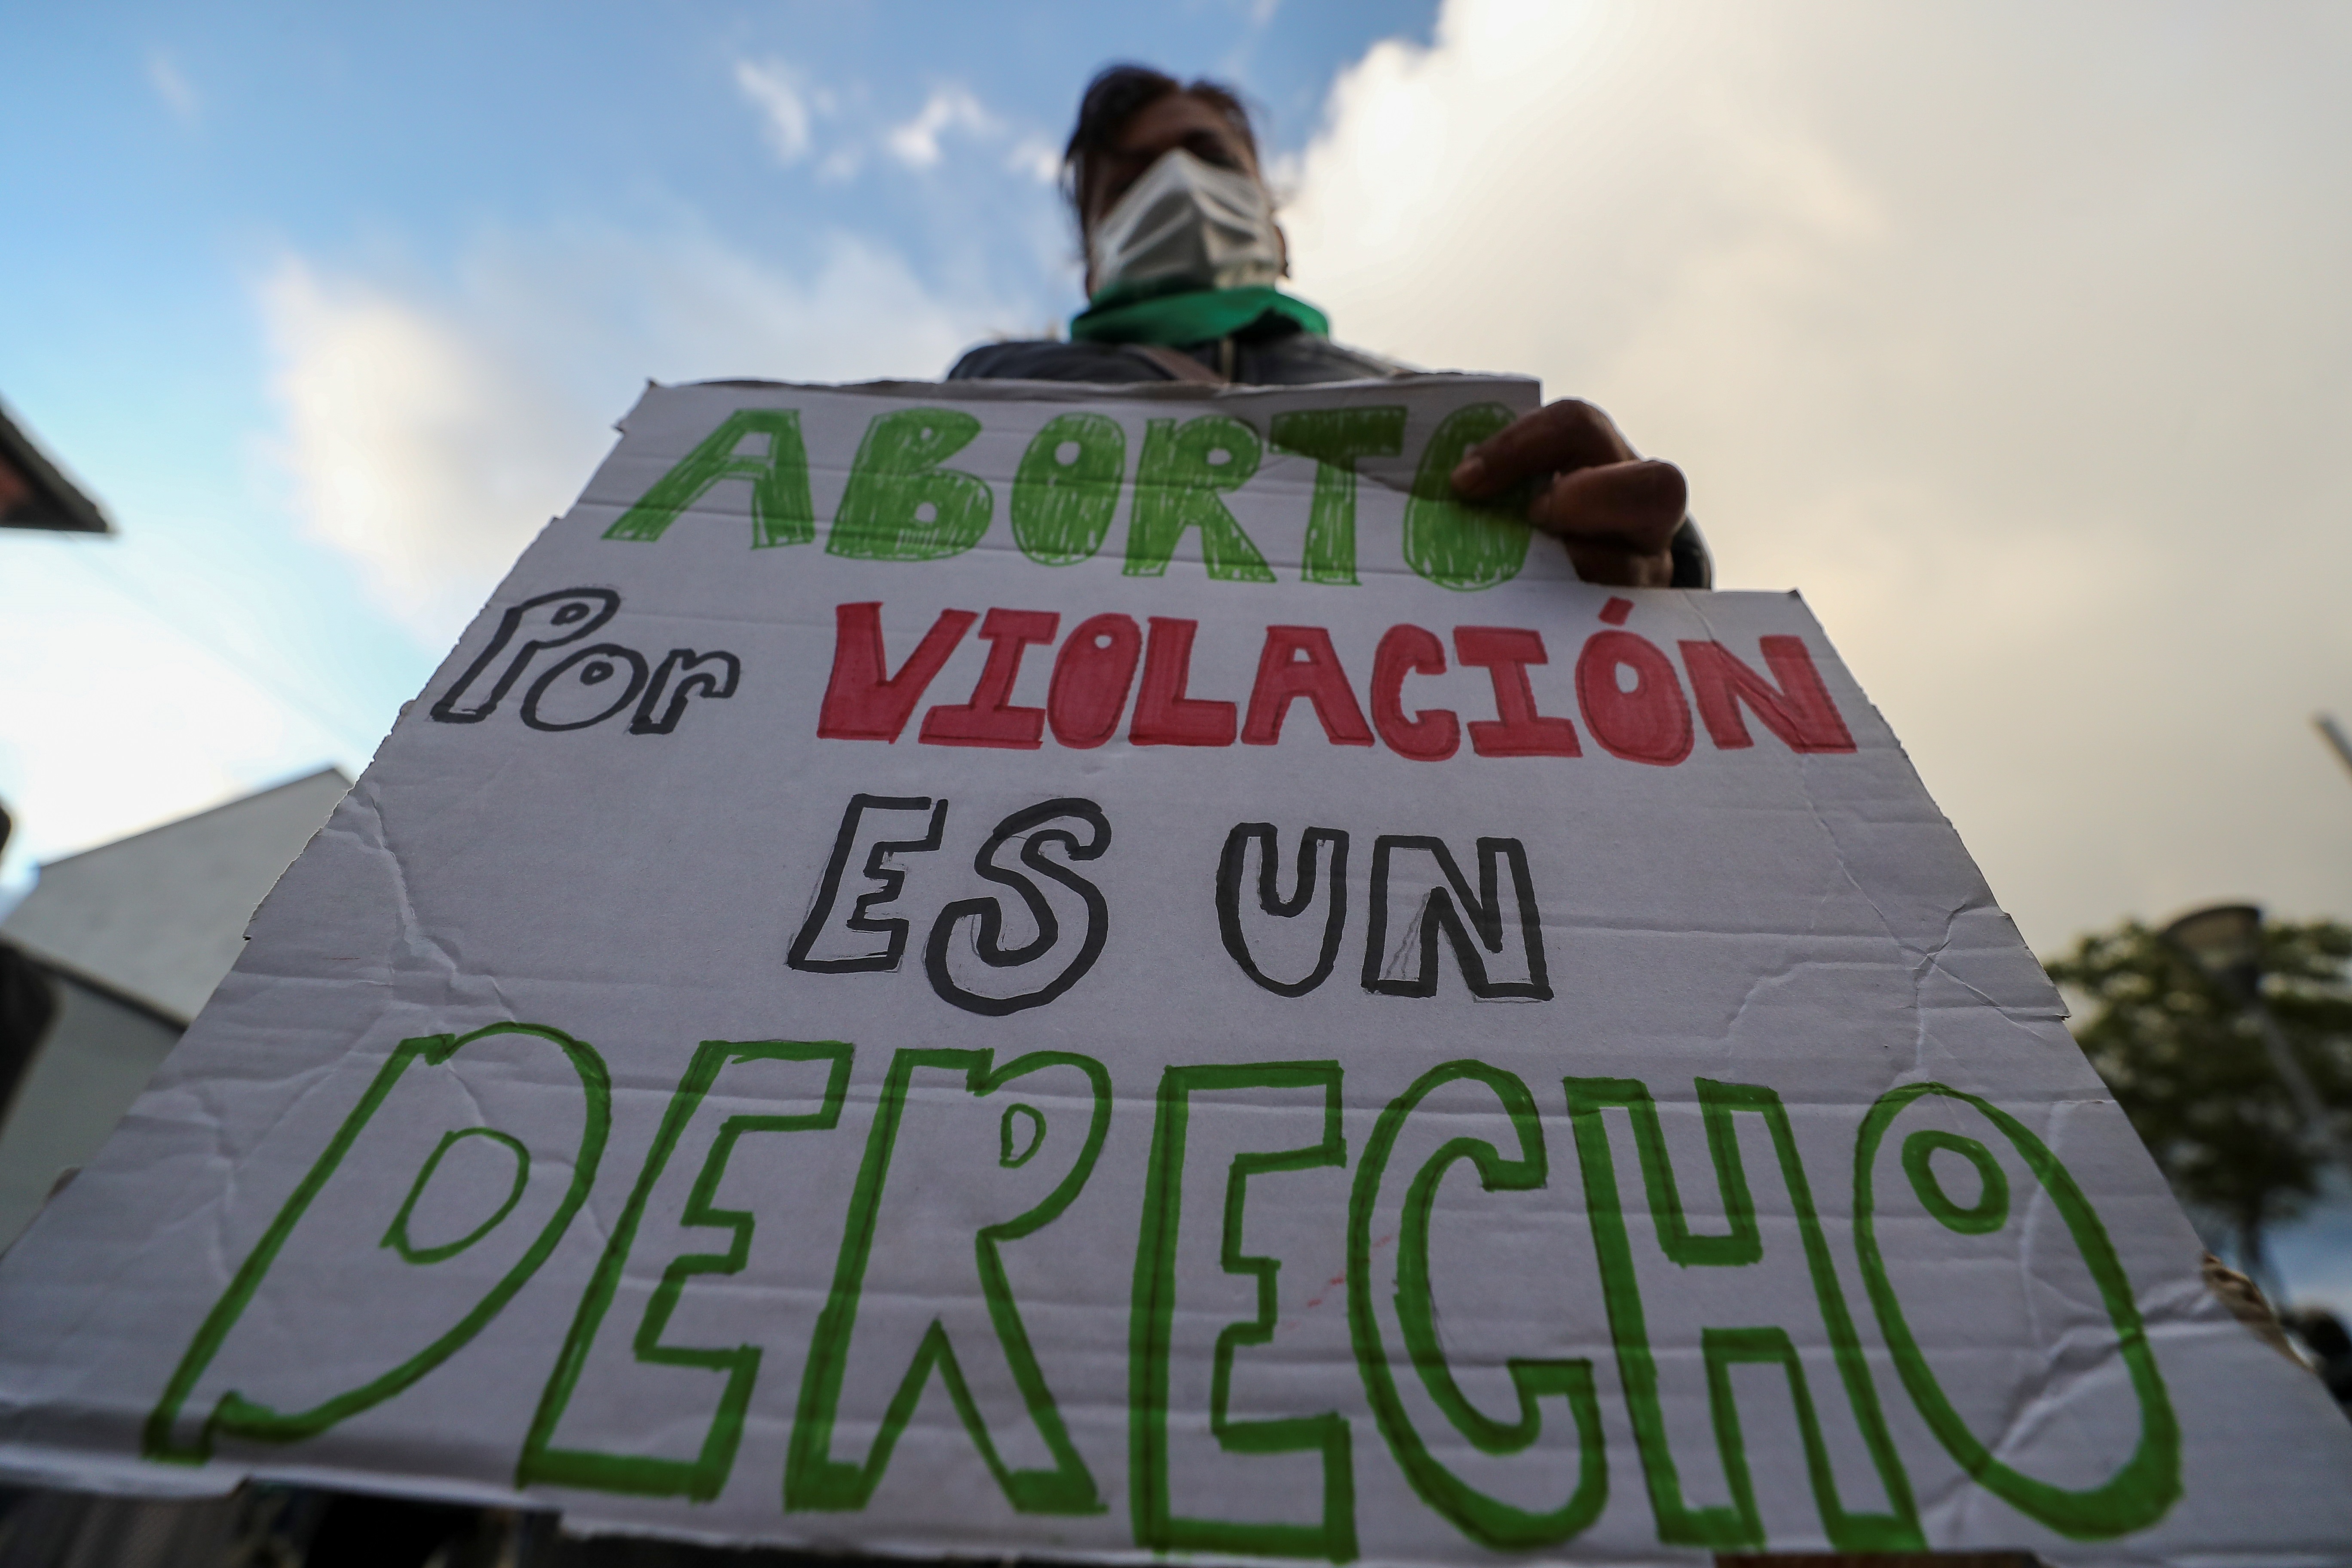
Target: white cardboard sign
[{"x": 1064, "y": 971}]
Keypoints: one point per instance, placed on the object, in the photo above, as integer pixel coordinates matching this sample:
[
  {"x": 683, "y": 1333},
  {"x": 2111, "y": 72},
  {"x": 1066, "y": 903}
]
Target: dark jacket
[
  {"x": 1282, "y": 355},
  {"x": 1286, "y": 357}
]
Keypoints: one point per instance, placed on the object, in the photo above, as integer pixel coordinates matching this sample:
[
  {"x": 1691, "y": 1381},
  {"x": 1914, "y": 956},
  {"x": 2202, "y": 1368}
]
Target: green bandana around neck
[{"x": 1188, "y": 315}]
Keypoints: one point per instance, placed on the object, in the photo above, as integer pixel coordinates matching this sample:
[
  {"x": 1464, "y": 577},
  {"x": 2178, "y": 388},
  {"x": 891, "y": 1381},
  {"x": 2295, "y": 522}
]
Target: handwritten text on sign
[{"x": 1131, "y": 977}]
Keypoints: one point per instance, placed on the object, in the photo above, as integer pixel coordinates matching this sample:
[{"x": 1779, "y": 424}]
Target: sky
[
  {"x": 332, "y": 308},
  {"x": 2011, "y": 335}
]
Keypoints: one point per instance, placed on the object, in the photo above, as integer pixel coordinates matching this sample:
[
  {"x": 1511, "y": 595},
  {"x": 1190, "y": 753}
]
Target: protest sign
[{"x": 1096, "y": 972}]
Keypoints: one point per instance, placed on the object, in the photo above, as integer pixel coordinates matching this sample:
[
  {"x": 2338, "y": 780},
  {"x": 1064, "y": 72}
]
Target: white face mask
[{"x": 1188, "y": 219}]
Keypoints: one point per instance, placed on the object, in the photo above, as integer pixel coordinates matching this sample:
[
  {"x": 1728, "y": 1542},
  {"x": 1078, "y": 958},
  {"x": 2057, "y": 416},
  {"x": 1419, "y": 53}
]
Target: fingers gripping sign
[{"x": 1615, "y": 511}]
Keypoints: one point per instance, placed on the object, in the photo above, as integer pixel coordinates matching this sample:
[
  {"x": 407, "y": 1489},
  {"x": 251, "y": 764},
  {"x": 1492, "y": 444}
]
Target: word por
[
  {"x": 576, "y": 692},
  {"x": 1644, "y": 719}
]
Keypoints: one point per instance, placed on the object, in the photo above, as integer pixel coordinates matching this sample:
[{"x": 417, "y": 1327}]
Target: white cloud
[
  {"x": 177, "y": 93},
  {"x": 412, "y": 445},
  {"x": 1035, "y": 156},
  {"x": 775, "y": 89},
  {"x": 2015, "y": 337},
  {"x": 915, "y": 144},
  {"x": 431, "y": 438}
]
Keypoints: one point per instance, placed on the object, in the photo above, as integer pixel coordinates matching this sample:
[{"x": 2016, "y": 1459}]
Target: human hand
[{"x": 1615, "y": 511}]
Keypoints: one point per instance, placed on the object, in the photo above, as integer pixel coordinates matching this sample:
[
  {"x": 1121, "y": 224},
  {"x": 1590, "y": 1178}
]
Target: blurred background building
[{"x": 133, "y": 936}]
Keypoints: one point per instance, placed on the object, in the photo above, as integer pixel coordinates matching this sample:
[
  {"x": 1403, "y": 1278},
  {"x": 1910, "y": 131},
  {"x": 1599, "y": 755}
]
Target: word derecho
[{"x": 1394, "y": 1227}]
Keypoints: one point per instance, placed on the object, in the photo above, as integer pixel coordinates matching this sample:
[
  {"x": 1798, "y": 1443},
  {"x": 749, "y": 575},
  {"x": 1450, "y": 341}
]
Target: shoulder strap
[{"x": 1176, "y": 364}]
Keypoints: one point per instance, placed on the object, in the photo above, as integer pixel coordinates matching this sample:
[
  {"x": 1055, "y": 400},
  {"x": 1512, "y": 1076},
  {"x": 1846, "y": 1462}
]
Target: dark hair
[{"x": 1117, "y": 95}]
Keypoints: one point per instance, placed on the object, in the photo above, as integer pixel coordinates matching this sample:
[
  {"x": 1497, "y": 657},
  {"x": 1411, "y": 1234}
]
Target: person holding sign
[
  {"x": 859, "y": 1011},
  {"x": 1182, "y": 257}
]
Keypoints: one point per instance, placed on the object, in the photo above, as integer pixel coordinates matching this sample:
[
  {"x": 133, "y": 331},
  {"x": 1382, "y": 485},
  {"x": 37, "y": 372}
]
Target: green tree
[{"x": 2185, "y": 1058}]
